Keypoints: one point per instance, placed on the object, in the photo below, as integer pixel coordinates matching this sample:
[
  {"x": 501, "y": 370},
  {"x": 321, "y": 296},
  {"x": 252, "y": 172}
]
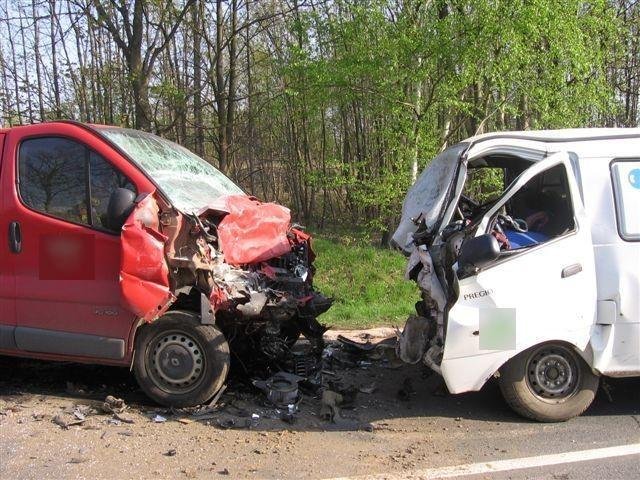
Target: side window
[
  {"x": 65, "y": 179},
  {"x": 625, "y": 175},
  {"x": 540, "y": 211},
  {"x": 52, "y": 177}
]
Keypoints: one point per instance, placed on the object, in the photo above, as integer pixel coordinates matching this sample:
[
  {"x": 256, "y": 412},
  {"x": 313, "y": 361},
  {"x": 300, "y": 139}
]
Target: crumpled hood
[{"x": 252, "y": 231}]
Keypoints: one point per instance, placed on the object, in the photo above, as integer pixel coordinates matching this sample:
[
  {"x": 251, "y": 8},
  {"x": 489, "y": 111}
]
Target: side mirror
[
  {"x": 478, "y": 252},
  {"x": 121, "y": 204}
]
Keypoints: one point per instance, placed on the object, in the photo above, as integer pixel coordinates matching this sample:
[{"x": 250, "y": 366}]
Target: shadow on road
[{"x": 23, "y": 380}]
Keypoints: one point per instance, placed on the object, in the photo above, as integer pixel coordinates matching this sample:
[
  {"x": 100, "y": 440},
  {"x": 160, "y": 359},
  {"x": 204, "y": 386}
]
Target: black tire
[
  {"x": 178, "y": 362},
  {"x": 548, "y": 383}
]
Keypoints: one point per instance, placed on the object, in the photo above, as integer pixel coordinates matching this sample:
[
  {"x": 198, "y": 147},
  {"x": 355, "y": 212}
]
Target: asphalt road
[
  {"x": 613, "y": 468},
  {"x": 415, "y": 438}
]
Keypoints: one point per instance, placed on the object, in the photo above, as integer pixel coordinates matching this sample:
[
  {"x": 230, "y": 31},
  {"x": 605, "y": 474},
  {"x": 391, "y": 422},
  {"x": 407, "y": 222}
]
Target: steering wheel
[{"x": 517, "y": 224}]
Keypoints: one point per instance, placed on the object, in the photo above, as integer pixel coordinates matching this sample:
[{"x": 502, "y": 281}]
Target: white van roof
[
  {"x": 562, "y": 135},
  {"x": 585, "y": 142}
]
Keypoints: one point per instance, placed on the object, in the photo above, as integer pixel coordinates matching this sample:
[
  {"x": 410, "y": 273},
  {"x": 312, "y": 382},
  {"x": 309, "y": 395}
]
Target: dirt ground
[{"x": 52, "y": 425}]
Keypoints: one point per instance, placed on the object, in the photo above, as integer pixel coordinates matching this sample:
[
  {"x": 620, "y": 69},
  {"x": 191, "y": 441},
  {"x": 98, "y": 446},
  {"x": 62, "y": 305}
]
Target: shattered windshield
[
  {"x": 426, "y": 197},
  {"x": 189, "y": 181}
]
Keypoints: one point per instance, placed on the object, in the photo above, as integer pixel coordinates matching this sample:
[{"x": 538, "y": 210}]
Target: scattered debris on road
[
  {"x": 368, "y": 388},
  {"x": 374, "y": 431},
  {"x": 113, "y": 405}
]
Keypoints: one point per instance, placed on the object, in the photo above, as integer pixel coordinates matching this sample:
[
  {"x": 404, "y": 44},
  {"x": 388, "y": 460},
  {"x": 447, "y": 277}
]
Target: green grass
[{"x": 367, "y": 284}]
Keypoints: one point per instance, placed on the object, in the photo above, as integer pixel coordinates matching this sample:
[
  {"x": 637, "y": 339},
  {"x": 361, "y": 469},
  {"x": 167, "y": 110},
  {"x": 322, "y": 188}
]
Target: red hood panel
[
  {"x": 144, "y": 275},
  {"x": 253, "y": 231}
]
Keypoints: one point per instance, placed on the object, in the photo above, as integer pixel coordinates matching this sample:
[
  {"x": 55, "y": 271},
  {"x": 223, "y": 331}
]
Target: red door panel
[
  {"x": 7, "y": 295},
  {"x": 67, "y": 296}
]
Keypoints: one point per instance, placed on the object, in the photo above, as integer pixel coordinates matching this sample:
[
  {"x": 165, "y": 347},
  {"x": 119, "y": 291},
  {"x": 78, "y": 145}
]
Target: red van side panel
[
  {"x": 79, "y": 315},
  {"x": 7, "y": 300}
]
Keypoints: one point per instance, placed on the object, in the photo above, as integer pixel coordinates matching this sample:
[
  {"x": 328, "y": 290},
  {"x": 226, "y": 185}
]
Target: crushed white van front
[{"x": 477, "y": 313}]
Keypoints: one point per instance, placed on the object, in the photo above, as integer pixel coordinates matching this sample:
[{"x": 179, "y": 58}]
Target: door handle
[
  {"x": 15, "y": 237},
  {"x": 571, "y": 270}
]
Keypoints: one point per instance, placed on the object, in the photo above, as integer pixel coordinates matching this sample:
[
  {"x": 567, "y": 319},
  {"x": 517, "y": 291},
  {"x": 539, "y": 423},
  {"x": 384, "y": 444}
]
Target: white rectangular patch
[{"x": 497, "y": 328}]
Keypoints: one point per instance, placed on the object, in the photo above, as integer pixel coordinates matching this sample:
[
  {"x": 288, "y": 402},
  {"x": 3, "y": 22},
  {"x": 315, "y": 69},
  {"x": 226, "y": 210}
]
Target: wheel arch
[
  {"x": 471, "y": 374},
  {"x": 141, "y": 323},
  {"x": 586, "y": 354}
]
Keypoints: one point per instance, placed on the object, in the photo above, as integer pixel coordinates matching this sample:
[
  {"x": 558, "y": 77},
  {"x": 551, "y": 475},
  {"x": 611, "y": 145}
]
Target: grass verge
[{"x": 366, "y": 282}]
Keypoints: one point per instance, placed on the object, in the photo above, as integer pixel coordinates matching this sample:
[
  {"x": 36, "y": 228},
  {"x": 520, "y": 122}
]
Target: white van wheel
[{"x": 548, "y": 383}]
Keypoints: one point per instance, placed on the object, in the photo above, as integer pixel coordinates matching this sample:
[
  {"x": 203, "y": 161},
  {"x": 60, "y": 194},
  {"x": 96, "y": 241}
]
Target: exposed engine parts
[{"x": 272, "y": 300}]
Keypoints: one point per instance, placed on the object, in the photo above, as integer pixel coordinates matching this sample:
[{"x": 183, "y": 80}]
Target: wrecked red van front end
[
  {"x": 240, "y": 258},
  {"x": 209, "y": 271}
]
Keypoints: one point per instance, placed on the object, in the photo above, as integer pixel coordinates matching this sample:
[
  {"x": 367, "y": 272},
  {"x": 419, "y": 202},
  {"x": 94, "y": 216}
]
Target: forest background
[{"x": 330, "y": 107}]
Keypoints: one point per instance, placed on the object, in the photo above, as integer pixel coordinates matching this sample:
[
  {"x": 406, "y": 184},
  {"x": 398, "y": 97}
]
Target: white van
[{"x": 539, "y": 287}]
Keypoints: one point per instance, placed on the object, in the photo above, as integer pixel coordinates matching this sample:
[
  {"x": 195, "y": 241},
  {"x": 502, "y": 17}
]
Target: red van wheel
[
  {"x": 176, "y": 361},
  {"x": 180, "y": 362}
]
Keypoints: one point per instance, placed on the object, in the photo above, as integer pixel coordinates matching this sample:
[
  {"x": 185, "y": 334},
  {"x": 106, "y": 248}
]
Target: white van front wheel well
[{"x": 586, "y": 354}]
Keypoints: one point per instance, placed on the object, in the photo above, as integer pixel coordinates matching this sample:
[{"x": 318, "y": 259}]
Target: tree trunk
[
  {"x": 57, "y": 107},
  {"x": 37, "y": 60},
  {"x": 14, "y": 73},
  {"x": 197, "y": 78},
  {"x": 221, "y": 107},
  {"x": 26, "y": 67},
  {"x": 251, "y": 128},
  {"x": 233, "y": 82}
]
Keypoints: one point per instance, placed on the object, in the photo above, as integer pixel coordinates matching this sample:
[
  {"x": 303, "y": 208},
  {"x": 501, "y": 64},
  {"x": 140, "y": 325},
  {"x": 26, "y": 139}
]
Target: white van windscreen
[
  {"x": 426, "y": 198},
  {"x": 625, "y": 175}
]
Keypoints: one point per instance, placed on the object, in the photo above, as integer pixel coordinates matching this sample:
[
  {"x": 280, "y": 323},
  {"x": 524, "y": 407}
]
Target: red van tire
[
  {"x": 178, "y": 362},
  {"x": 548, "y": 383}
]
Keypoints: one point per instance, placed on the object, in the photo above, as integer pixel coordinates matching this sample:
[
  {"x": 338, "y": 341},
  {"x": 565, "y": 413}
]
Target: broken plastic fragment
[
  {"x": 368, "y": 388},
  {"x": 253, "y": 308},
  {"x": 254, "y": 420},
  {"x": 112, "y": 404},
  {"x": 412, "y": 343},
  {"x": 330, "y": 401},
  {"x": 281, "y": 389},
  {"x": 159, "y": 419}
]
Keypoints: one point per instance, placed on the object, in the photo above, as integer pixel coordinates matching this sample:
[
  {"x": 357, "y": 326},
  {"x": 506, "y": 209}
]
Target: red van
[{"x": 126, "y": 249}]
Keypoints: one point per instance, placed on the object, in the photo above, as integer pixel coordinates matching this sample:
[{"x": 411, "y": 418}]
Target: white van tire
[
  {"x": 178, "y": 362},
  {"x": 548, "y": 383}
]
